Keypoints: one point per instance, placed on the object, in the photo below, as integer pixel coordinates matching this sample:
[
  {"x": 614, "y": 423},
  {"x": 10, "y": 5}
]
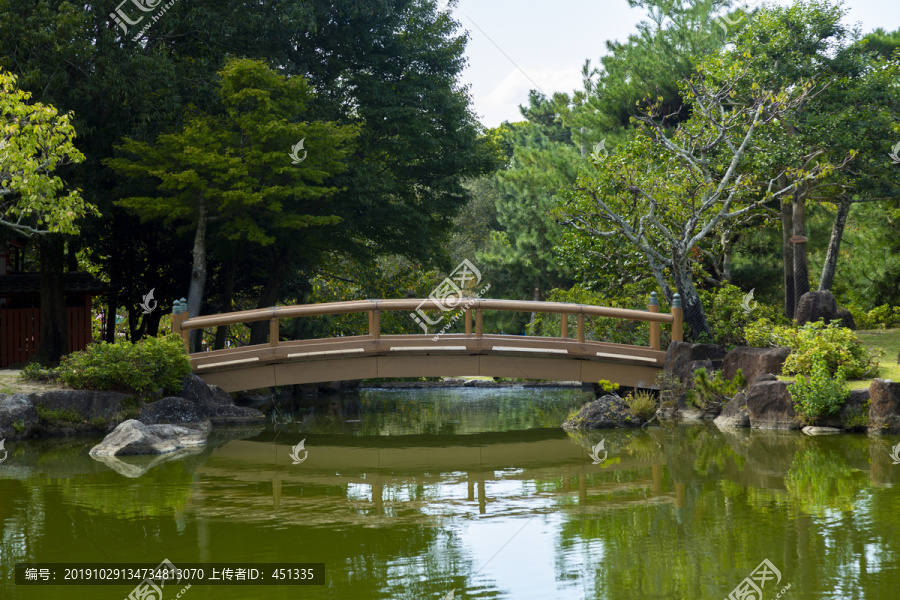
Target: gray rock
[
  {"x": 608, "y": 411},
  {"x": 754, "y": 362},
  {"x": 854, "y": 414},
  {"x": 136, "y": 467},
  {"x": 884, "y": 406},
  {"x": 846, "y": 318},
  {"x": 133, "y": 437},
  {"x": 682, "y": 356},
  {"x": 735, "y": 413},
  {"x": 814, "y": 306},
  {"x": 769, "y": 406},
  {"x": 217, "y": 404},
  {"x": 87, "y": 403},
  {"x": 813, "y": 430},
  {"x": 173, "y": 409},
  {"x": 17, "y": 410}
]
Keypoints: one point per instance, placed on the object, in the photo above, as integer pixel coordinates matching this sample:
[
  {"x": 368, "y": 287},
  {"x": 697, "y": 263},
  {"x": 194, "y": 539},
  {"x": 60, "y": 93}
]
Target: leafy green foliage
[
  {"x": 713, "y": 394},
  {"x": 607, "y": 386},
  {"x": 34, "y": 142},
  {"x": 880, "y": 317},
  {"x": 642, "y": 404},
  {"x": 838, "y": 347},
  {"x": 34, "y": 371},
  {"x": 141, "y": 368},
  {"x": 821, "y": 394},
  {"x": 671, "y": 388},
  {"x": 728, "y": 317},
  {"x": 57, "y": 415}
]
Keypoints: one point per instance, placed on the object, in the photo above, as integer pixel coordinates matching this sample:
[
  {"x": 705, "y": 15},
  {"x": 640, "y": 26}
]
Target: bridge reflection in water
[{"x": 473, "y": 353}]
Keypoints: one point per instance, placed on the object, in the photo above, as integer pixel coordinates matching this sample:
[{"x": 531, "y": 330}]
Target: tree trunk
[
  {"x": 834, "y": 245},
  {"x": 535, "y": 297},
  {"x": 54, "y": 323},
  {"x": 227, "y": 293},
  {"x": 259, "y": 331},
  {"x": 787, "y": 258},
  {"x": 198, "y": 272},
  {"x": 110, "y": 333},
  {"x": 801, "y": 268},
  {"x": 727, "y": 244},
  {"x": 694, "y": 315},
  {"x": 657, "y": 271}
]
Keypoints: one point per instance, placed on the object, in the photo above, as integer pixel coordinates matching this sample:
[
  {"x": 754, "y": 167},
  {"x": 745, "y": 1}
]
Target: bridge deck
[{"x": 361, "y": 357}]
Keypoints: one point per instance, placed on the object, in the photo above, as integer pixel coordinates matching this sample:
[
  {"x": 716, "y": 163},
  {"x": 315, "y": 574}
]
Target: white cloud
[{"x": 501, "y": 102}]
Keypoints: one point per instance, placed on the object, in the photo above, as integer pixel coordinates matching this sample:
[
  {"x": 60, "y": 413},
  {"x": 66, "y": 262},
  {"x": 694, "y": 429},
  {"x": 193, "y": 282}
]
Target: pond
[{"x": 469, "y": 493}]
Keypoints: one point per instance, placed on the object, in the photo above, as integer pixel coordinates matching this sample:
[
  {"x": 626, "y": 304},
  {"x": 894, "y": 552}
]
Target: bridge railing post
[
  {"x": 468, "y": 317},
  {"x": 273, "y": 331},
  {"x": 375, "y": 323},
  {"x": 678, "y": 316},
  {"x": 479, "y": 323},
  {"x": 580, "y": 328},
  {"x": 180, "y": 315},
  {"x": 564, "y": 326},
  {"x": 654, "y": 326}
]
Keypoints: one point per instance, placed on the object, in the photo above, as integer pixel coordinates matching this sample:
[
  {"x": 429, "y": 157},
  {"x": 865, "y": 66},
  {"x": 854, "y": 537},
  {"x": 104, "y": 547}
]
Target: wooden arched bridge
[{"x": 471, "y": 353}]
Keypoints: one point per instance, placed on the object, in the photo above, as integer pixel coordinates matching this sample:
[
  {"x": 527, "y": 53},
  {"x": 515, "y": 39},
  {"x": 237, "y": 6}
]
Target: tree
[
  {"x": 665, "y": 193},
  {"x": 35, "y": 140},
  {"x": 233, "y": 170}
]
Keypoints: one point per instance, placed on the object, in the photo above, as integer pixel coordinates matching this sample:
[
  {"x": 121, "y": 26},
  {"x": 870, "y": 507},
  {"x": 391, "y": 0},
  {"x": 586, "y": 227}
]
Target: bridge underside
[{"x": 364, "y": 357}]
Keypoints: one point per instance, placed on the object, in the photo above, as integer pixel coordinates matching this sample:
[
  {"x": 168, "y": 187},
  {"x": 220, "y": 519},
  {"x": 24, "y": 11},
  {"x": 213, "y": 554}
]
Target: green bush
[
  {"x": 35, "y": 372},
  {"x": 819, "y": 395},
  {"x": 141, "y": 368},
  {"x": 880, "y": 317},
  {"x": 713, "y": 394},
  {"x": 727, "y": 317},
  {"x": 837, "y": 346},
  {"x": 642, "y": 404}
]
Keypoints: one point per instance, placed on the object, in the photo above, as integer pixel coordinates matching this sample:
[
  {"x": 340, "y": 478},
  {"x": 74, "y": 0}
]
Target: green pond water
[{"x": 413, "y": 494}]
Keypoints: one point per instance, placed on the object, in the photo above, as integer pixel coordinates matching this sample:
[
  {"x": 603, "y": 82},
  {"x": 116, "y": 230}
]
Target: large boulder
[
  {"x": 18, "y": 416},
  {"x": 682, "y": 358},
  {"x": 606, "y": 412},
  {"x": 216, "y": 405},
  {"x": 754, "y": 362},
  {"x": 133, "y": 437},
  {"x": 173, "y": 409},
  {"x": 822, "y": 305},
  {"x": 884, "y": 406},
  {"x": 735, "y": 413},
  {"x": 89, "y": 404},
  {"x": 854, "y": 414},
  {"x": 769, "y": 405}
]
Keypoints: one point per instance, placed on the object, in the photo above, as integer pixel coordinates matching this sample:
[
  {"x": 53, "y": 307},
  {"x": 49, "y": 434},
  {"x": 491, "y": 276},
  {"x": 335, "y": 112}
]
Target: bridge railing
[{"x": 182, "y": 323}]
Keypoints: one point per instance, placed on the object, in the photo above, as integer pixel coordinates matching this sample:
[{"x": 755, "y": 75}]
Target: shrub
[
  {"x": 836, "y": 345},
  {"x": 57, "y": 415},
  {"x": 671, "y": 389},
  {"x": 819, "y": 395},
  {"x": 607, "y": 386},
  {"x": 642, "y": 404},
  {"x": 35, "y": 372},
  {"x": 880, "y": 317},
  {"x": 713, "y": 394},
  {"x": 141, "y": 368},
  {"x": 727, "y": 317}
]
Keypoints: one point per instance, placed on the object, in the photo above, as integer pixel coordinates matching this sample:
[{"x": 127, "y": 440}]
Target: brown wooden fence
[{"x": 20, "y": 332}]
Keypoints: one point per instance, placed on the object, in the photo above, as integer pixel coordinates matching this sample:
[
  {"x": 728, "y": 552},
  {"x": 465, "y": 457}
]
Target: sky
[{"x": 518, "y": 45}]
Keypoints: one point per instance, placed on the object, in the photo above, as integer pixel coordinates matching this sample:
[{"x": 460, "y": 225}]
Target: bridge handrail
[
  {"x": 182, "y": 323},
  {"x": 358, "y": 306}
]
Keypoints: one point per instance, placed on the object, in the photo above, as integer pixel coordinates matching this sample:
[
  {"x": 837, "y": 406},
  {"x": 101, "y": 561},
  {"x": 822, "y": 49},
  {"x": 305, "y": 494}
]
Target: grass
[
  {"x": 12, "y": 383},
  {"x": 58, "y": 415},
  {"x": 875, "y": 340}
]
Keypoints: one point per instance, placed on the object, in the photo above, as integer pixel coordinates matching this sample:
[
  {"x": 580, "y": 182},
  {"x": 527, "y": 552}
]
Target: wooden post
[
  {"x": 479, "y": 323},
  {"x": 273, "y": 331},
  {"x": 580, "y": 326},
  {"x": 564, "y": 326},
  {"x": 468, "y": 317},
  {"x": 375, "y": 324},
  {"x": 678, "y": 323},
  {"x": 654, "y": 326}
]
